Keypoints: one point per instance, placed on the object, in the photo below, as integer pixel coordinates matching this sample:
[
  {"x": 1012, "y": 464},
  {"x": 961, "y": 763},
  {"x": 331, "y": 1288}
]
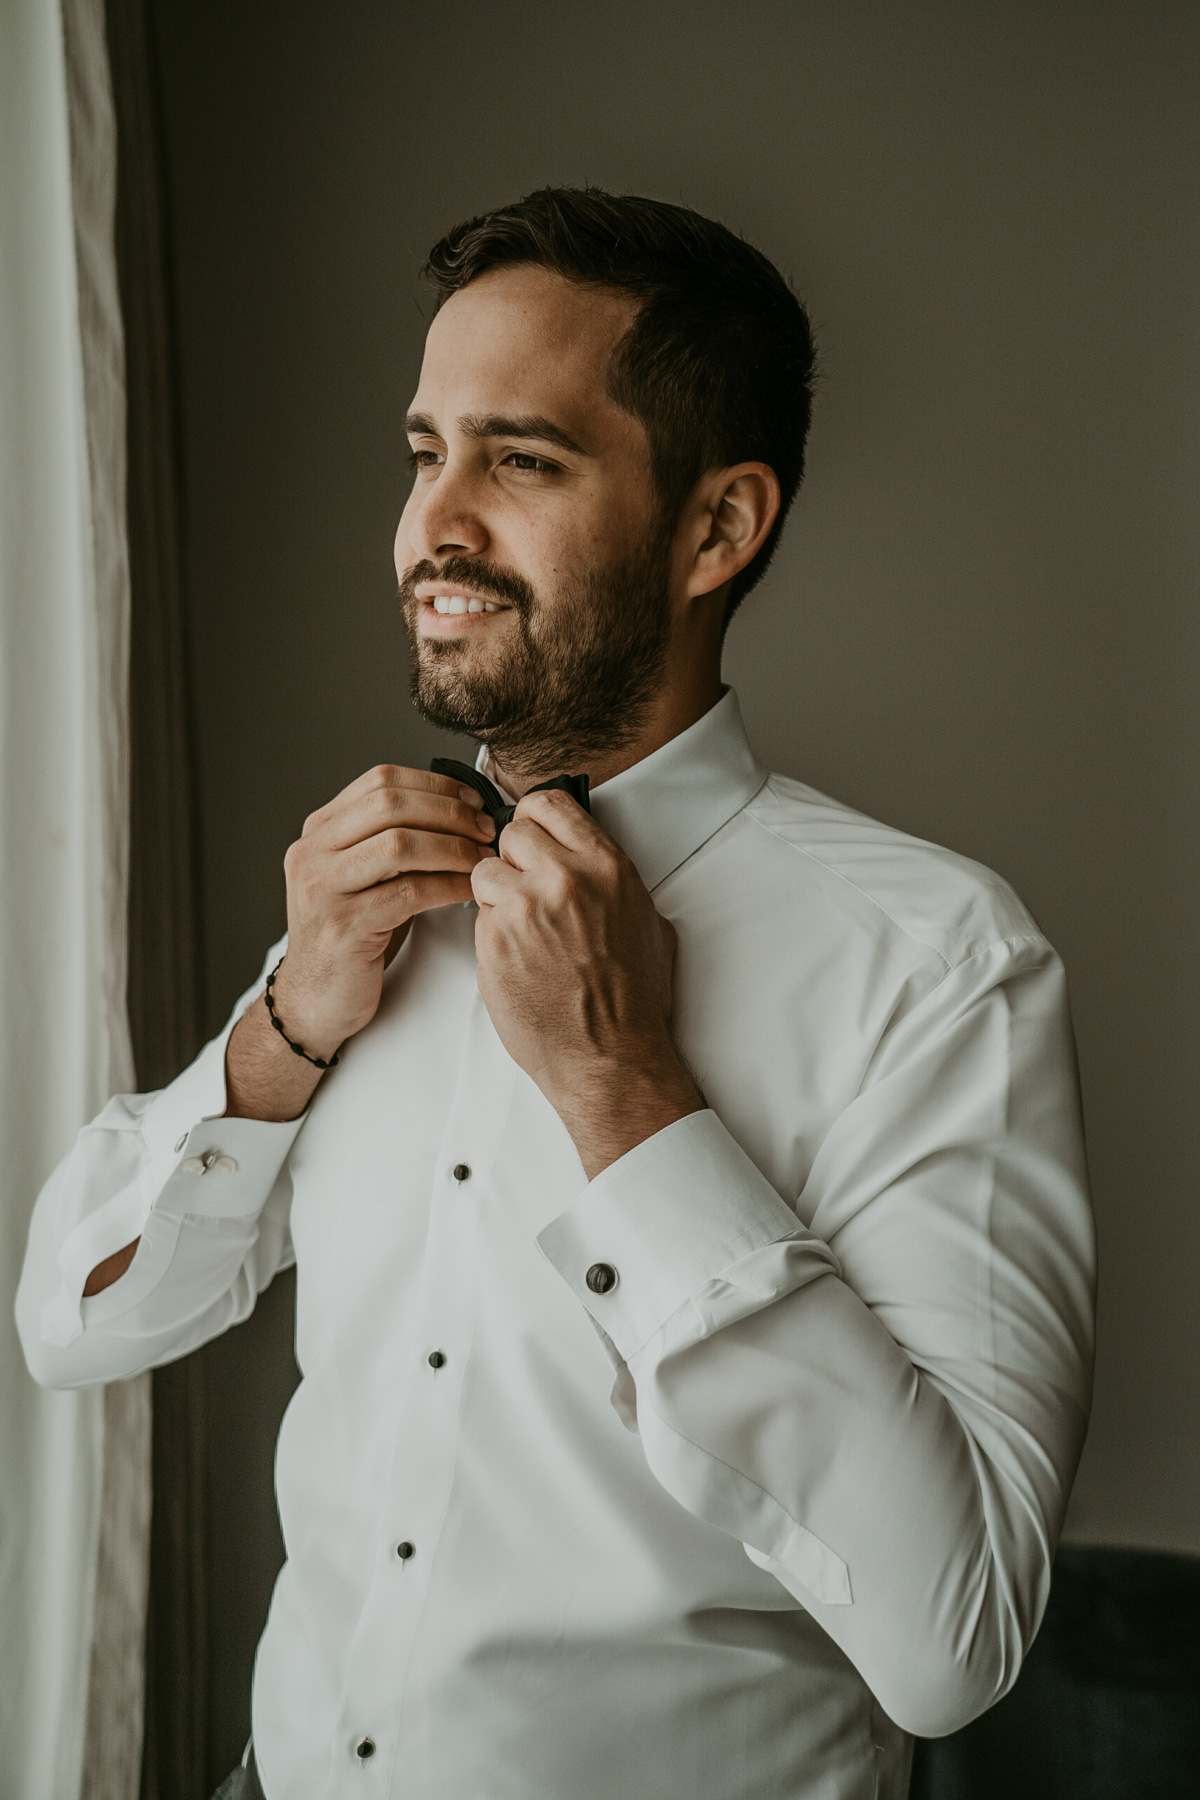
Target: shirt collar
[{"x": 662, "y": 809}]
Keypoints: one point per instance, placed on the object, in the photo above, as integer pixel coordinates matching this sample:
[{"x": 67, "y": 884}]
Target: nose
[{"x": 443, "y": 516}]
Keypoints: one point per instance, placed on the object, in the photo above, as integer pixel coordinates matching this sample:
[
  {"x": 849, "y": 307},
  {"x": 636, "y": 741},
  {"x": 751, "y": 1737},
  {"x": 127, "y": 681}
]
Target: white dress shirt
[{"x": 731, "y": 1526}]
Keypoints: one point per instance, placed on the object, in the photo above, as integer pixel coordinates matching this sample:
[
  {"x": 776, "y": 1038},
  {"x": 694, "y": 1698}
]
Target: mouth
[{"x": 446, "y": 611}]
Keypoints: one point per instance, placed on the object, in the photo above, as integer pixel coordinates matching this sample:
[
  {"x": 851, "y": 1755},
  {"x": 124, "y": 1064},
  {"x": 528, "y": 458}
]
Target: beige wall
[{"x": 980, "y": 626}]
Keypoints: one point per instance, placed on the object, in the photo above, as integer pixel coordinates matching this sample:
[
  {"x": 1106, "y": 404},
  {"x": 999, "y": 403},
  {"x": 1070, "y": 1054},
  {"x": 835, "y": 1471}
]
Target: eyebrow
[{"x": 486, "y": 425}]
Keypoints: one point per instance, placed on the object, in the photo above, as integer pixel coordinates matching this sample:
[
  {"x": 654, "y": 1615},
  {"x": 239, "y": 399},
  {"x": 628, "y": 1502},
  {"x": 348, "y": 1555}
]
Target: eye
[
  {"x": 527, "y": 464},
  {"x": 424, "y": 459}
]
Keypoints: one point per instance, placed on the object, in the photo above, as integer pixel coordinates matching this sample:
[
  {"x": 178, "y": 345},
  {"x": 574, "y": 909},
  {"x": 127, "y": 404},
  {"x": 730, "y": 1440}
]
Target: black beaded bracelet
[{"x": 318, "y": 1062}]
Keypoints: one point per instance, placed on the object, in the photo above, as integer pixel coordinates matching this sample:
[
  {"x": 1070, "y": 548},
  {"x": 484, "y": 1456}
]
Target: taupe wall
[{"x": 980, "y": 624}]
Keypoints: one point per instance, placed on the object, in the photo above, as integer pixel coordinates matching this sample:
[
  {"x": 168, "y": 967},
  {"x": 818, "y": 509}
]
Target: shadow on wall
[{"x": 1108, "y": 1704}]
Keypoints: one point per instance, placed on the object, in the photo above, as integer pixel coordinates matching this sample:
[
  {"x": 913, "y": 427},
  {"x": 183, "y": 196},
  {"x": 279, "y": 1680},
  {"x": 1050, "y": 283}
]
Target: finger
[
  {"x": 391, "y": 903},
  {"x": 526, "y": 844},
  {"x": 380, "y": 809},
  {"x": 399, "y": 851},
  {"x": 492, "y": 880},
  {"x": 563, "y": 818},
  {"x": 394, "y": 775}
]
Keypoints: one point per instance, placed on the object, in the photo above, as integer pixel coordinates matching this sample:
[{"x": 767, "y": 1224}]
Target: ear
[{"x": 729, "y": 514}]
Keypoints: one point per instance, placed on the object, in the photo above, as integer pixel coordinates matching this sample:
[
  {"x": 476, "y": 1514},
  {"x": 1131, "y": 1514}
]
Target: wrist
[
  {"x": 263, "y": 1080},
  {"x": 303, "y": 1027},
  {"x": 611, "y": 1106}
]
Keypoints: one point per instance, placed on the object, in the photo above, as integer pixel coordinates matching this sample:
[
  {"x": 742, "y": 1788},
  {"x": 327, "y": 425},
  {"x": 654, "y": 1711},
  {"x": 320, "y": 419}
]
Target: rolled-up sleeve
[
  {"x": 208, "y": 1199},
  {"x": 885, "y": 1404}
]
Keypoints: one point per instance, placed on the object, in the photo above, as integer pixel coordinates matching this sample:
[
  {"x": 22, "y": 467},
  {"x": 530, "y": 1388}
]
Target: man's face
[{"x": 535, "y": 520}]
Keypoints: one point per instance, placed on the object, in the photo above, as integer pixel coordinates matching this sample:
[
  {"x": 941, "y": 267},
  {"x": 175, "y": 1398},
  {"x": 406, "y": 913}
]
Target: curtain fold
[
  {"x": 67, "y": 1500},
  {"x": 164, "y": 987}
]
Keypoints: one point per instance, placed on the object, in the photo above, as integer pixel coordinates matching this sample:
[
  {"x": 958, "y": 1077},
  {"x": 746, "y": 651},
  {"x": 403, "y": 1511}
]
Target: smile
[
  {"x": 456, "y": 603},
  {"x": 450, "y": 615}
]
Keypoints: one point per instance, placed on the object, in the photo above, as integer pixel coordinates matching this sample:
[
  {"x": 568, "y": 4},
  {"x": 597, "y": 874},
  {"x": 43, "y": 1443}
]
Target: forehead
[{"x": 523, "y": 339}]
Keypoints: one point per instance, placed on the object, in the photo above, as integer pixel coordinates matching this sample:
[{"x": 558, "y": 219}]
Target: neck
[{"x": 671, "y": 711}]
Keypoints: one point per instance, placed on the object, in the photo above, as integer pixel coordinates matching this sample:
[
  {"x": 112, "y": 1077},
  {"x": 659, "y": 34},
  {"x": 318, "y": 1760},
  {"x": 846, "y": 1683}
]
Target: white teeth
[{"x": 454, "y": 603}]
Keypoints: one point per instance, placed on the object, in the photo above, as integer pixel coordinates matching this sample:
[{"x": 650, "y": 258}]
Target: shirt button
[
  {"x": 462, "y": 1171},
  {"x": 224, "y": 1165},
  {"x": 179, "y": 1146},
  {"x": 436, "y": 1360},
  {"x": 601, "y": 1278},
  {"x": 403, "y": 1551},
  {"x": 193, "y": 1165},
  {"x": 365, "y": 1747}
]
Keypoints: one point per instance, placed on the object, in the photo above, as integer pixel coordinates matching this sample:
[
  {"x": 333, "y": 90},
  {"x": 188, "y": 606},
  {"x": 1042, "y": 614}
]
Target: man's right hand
[{"x": 395, "y": 843}]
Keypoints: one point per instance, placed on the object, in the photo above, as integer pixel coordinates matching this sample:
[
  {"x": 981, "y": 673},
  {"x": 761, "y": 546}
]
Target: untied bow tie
[{"x": 494, "y": 803}]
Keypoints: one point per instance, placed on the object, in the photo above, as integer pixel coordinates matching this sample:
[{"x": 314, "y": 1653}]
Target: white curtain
[{"x": 74, "y": 1473}]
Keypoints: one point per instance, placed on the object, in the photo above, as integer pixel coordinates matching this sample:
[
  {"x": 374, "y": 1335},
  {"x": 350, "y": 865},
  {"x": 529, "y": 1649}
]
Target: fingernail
[
  {"x": 470, "y": 796},
  {"x": 488, "y": 825}
]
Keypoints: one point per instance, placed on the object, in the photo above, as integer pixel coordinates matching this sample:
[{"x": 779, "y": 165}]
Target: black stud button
[
  {"x": 462, "y": 1171},
  {"x": 601, "y": 1278},
  {"x": 365, "y": 1747},
  {"x": 404, "y": 1551},
  {"x": 436, "y": 1360}
]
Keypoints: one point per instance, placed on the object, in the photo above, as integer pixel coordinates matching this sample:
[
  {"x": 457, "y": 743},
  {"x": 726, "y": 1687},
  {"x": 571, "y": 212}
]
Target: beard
[{"x": 574, "y": 677}]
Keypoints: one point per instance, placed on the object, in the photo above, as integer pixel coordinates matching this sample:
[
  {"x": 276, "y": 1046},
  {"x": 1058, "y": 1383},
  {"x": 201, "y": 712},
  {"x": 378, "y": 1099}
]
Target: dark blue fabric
[{"x": 1108, "y": 1704}]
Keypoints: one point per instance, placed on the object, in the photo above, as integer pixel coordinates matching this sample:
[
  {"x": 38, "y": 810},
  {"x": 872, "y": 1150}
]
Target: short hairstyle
[{"x": 718, "y": 364}]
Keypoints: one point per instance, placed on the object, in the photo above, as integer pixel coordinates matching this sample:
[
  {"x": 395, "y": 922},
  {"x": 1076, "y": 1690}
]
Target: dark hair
[{"x": 717, "y": 365}]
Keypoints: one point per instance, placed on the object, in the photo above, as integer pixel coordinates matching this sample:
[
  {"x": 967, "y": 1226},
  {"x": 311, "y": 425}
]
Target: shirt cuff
[
  {"x": 671, "y": 1216},
  {"x": 200, "y": 1165}
]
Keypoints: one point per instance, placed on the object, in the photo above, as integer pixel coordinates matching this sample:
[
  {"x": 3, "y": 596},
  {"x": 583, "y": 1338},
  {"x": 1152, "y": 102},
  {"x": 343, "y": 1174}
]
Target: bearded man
[{"x": 694, "y": 1257}]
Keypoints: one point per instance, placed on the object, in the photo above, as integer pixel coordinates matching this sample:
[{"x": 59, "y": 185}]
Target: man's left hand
[{"x": 575, "y": 971}]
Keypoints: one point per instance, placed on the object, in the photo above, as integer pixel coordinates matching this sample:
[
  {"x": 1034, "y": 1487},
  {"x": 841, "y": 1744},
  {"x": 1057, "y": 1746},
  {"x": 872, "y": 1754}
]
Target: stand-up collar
[{"x": 662, "y": 809}]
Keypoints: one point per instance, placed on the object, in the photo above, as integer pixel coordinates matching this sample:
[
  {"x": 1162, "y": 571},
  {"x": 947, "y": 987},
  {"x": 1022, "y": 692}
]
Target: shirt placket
[{"x": 370, "y": 1742}]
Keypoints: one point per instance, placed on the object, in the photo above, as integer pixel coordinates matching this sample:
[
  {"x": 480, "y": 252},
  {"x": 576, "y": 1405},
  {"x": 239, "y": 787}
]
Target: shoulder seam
[
  {"x": 911, "y": 936},
  {"x": 838, "y": 875}
]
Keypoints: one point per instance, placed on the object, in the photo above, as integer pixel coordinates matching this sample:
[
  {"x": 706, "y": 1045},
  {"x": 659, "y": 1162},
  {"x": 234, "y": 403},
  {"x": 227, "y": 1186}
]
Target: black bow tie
[{"x": 494, "y": 803}]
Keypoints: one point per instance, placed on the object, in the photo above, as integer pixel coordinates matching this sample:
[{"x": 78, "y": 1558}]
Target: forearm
[
  {"x": 264, "y": 1078},
  {"x": 855, "y": 1462},
  {"x": 609, "y": 1109},
  {"x": 157, "y": 1229}
]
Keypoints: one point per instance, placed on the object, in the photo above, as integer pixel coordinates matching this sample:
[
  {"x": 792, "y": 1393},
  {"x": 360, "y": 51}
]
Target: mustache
[{"x": 486, "y": 579}]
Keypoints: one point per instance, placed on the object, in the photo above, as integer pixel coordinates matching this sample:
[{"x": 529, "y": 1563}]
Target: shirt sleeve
[
  {"x": 207, "y": 1197},
  {"x": 887, "y": 1407}
]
